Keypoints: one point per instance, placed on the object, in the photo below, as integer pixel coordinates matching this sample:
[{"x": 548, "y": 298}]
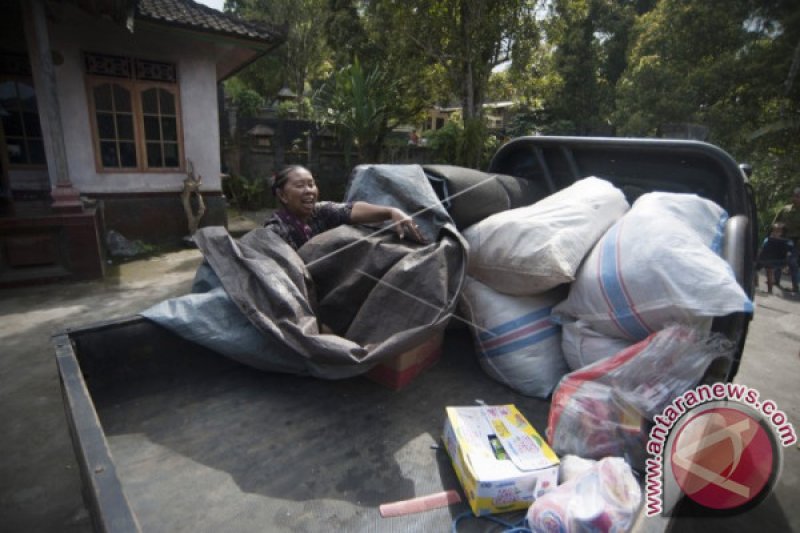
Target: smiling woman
[{"x": 301, "y": 216}]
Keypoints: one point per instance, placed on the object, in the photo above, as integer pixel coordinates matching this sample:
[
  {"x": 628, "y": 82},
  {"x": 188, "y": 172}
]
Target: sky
[{"x": 216, "y": 4}]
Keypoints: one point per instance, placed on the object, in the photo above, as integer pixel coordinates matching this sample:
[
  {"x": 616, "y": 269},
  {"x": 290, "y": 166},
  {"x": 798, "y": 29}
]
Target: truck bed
[{"x": 196, "y": 442}]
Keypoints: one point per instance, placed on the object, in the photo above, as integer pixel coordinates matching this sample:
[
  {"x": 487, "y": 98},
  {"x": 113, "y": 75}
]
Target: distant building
[{"x": 496, "y": 115}]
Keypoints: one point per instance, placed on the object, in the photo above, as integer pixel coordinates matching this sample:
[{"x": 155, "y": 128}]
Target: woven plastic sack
[
  {"x": 516, "y": 342},
  {"x": 583, "y": 346},
  {"x": 530, "y": 250},
  {"x": 659, "y": 264}
]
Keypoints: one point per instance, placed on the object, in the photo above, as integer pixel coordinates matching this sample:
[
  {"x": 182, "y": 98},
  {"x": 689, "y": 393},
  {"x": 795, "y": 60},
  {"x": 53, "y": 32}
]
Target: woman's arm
[{"x": 364, "y": 213}]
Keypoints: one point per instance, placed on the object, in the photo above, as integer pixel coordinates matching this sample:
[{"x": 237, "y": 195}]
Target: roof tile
[{"x": 189, "y": 14}]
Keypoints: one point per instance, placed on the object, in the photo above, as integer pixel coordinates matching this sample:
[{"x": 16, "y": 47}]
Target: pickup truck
[{"x": 173, "y": 437}]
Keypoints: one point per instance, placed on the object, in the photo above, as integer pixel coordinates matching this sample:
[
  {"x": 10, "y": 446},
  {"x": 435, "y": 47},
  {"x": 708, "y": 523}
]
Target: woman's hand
[
  {"x": 364, "y": 213},
  {"x": 403, "y": 223}
]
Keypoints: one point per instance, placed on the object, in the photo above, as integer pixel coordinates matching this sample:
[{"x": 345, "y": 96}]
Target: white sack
[
  {"x": 583, "y": 346},
  {"x": 532, "y": 249},
  {"x": 516, "y": 341},
  {"x": 657, "y": 265}
]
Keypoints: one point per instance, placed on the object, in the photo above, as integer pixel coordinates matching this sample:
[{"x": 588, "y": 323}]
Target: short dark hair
[{"x": 280, "y": 178}]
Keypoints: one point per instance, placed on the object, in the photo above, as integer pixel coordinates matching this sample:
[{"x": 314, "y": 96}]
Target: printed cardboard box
[{"x": 501, "y": 460}]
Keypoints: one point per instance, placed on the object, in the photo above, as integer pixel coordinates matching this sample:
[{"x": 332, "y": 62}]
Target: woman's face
[{"x": 299, "y": 193}]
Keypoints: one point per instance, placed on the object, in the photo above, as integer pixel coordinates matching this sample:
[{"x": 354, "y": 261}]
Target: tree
[
  {"x": 702, "y": 63},
  {"x": 468, "y": 38},
  {"x": 728, "y": 65},
  {"x": 452, "y": 46},
  {"x": 303, "y": 56},
  {"x": 360, "y": 103},
  {"x": 346, "y": 33},
  {"x": 587, "y": 43}
]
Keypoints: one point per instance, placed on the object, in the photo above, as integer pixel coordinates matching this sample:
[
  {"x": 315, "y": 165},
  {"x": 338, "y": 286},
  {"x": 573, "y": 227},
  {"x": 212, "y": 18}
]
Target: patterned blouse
[{"x": 326, "y": 215}]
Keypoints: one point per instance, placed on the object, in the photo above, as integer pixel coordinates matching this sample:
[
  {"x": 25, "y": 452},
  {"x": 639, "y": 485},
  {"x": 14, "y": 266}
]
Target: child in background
[{"x": 774, "y": 253}]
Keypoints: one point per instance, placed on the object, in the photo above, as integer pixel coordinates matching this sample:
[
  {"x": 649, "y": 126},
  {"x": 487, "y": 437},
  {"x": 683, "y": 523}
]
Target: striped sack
[
  {"x": 516, "y": 341},
  {"x": 659, "y": 264}
]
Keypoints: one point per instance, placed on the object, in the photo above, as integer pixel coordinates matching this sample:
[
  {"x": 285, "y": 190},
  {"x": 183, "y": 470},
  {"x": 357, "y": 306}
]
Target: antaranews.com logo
[{"x": 717, "y": 444}]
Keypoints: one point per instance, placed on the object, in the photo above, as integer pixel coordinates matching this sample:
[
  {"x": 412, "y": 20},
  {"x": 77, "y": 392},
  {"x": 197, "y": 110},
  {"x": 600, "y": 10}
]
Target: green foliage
[
  {"x": 263, "y": 76},
  {"x": 466, "y": 39},
  {"x": 444, "y": 142},
  {"x": 294, "y": 108},
  {"x": 472, "y": 150},
  {"x": 724, "y": 64},
  {"x": 304, "y": 55},
  {"x": 360, "y": 103},
  {"x": 624, "y": 67},
  {"x": 464, "y": 144},
  {"x": 588, "y": 42},
  {"x": 245, "y": 193},
  {"x": 247, "y": 101}
]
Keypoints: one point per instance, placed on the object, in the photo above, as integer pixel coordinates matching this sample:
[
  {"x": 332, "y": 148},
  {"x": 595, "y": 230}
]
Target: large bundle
[
  {"x": 532, "y": 249},
  {"x": 657, "y": 265},
  {"x": 516, "y": 342}
]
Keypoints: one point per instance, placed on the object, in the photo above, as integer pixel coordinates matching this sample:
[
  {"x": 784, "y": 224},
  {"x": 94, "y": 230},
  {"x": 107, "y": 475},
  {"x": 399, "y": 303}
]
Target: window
[
  {"x": 20, "y": 117},
  {"x": 136, "y": 114}
]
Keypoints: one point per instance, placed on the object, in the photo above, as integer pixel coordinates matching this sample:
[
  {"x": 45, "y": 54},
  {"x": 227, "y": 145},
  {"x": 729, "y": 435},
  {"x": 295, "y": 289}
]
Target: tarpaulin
[{"x": 376, "y": 295}]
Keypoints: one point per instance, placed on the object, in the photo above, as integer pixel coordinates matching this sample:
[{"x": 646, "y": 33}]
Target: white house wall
[{"x": 76, "y": 33}]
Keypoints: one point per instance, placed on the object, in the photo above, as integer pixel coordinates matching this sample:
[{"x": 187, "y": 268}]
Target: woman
[{"x": 301, "y": 216}]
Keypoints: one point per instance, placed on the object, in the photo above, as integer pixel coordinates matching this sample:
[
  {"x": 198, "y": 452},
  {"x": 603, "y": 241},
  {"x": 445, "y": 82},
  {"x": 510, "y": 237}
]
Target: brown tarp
[{"x": 379, "y": 295}]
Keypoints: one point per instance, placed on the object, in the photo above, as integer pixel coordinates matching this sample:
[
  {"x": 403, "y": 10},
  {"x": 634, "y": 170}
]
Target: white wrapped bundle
[
  {"x": 583, "y": 346},
  {"x": 532, "y": 249},
  {"x": 602, "y": 499},
  {"x": 657, "y": 265},
  {"x": 515, "y": 339}
]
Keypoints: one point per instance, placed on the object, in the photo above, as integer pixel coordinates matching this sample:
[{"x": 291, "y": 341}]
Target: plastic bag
[
  {"x": 606, "y": 408},
  {"x": 603, "y": 498}
]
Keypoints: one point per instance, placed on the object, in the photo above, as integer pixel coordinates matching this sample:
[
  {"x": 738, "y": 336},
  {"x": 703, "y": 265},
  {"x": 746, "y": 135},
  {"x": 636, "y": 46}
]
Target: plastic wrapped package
[
  {"x": 606, "y": 408},
  {"x": 572, "y": 466},
  {"x": 603, "y": 498}
]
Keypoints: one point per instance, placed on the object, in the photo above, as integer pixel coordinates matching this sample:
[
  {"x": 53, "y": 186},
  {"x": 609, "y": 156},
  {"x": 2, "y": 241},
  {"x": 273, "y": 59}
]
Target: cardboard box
[
  {"x": 401, "y": 370},
  {"x": 500, "y": 459}
]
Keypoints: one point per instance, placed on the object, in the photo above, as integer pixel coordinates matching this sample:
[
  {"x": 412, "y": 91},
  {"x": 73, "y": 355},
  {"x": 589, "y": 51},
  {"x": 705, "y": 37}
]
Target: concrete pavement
[{"x": 39, "y": 481}]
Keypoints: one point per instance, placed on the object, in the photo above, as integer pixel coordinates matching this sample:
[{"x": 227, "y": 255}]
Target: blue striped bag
[
  {"x": 657, "y": 265},
  {"x": 516, "y": 341}
]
